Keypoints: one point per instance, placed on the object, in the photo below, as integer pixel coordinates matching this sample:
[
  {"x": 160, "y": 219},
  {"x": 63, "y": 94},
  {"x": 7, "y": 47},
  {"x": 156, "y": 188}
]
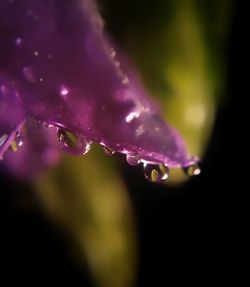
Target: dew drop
[
  {"x": 192, "y": 170},
  {"x": 19, "y": 139},
  {"x": 72, "y": 143},
  {"x": 16, "y": 143},
  {"x": 132, "y": 160},
  {"x": 156, "y": 173},
  {"x": 3, "y": 139},
  {"x": 108, "y": 151}
]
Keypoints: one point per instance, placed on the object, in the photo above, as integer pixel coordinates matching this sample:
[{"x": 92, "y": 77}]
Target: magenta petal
[{"x": 62, "y": 65}]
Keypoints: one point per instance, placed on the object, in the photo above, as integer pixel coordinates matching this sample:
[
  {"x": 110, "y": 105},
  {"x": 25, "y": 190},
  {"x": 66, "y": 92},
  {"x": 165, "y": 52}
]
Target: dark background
[{"x": 193, "y": 233}]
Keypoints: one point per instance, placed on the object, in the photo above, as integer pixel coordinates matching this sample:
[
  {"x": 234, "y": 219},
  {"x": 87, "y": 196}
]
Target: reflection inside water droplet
[
  {"x": 72, "y": 143},
  {"x": 192, "y": 170},
  {"x": 132, "y": 160},
  {"x": 157, "y": 173},
  {"x": 19, "y": 139}
]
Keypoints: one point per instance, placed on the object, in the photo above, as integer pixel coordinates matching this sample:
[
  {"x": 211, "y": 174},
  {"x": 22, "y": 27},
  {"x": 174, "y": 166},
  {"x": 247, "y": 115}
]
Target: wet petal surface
[{"x": 63, "y": 67}]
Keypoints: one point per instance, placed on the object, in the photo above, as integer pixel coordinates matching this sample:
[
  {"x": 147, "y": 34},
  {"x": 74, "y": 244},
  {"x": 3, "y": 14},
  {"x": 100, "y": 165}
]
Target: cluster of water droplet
[{"x": 78, "y": 145}]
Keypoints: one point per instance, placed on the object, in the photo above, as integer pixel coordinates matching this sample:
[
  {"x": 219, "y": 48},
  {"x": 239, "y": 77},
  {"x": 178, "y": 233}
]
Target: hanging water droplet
[
  {"x": 72, "y": 143},
  {"x": 18, "y": 140},
  {"x": 16, "y": 143},
  {"x": 192, "y": 170},
  {"x": 3, "y": 139},
  {"x": 132, "y": 160},
  {"x": 156, "y": 172},
  {"x": 108, "y": 151}
]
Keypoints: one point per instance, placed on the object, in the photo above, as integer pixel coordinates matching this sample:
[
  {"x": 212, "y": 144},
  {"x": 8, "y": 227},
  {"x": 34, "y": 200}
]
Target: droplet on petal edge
[
  {"x": 132, "y": 159},
  {"x": 108, "y": 151},
  {"x": 87, "y": 87},
  {"x": 192, "y": 170},
  {"x": 3, "y": 139},
  {"x": 12, "y": 141},
  {"x": 156, "y": 173},
  {"x": 17, "y": 142},
  {"x": 72, "y": 143}
]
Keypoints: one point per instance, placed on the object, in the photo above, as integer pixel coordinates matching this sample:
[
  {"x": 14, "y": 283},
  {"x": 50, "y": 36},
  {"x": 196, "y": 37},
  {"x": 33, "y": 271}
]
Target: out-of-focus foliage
[{"x": 86, "y": 196}]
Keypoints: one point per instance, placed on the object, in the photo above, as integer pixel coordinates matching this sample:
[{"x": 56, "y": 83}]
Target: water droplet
[
  {"x": 19, "y": 140},
  {"x": 132, "y": 160},
  {"x": 3, "y": 139},
  {"x": 16, "y": 143},
  {"x": 108, "y": 151},
  {"x": 156, "y": 172},
  {"x": 192, "y": 170},
  {"x": 72, "y": 143}
]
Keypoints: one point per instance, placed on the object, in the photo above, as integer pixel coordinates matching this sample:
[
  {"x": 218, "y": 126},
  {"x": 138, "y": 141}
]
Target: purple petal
[{"x": 65, "y": 70}]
